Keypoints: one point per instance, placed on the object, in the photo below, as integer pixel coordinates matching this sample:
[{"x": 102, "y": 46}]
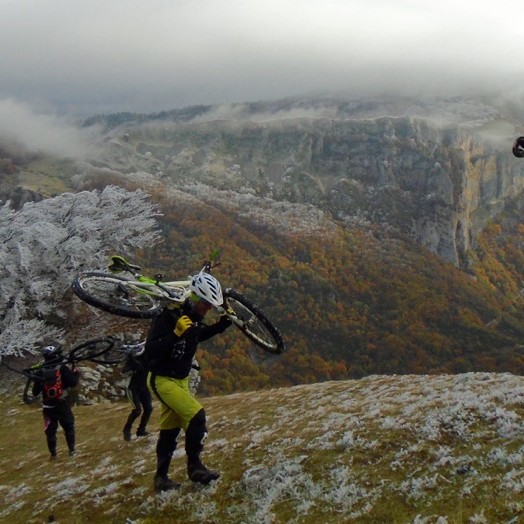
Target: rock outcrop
[{"x": 438, "y": 183}]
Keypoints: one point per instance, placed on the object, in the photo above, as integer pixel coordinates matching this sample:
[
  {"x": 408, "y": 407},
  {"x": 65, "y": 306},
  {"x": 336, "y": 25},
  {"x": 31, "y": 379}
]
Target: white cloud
[{"x": 42, "y": 132}]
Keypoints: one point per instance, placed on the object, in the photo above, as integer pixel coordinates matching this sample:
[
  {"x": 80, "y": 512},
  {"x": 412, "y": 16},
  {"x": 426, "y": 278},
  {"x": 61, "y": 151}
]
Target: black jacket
[
  {"x": 171, "y": 355},
  {"x": 68, "y": 378}
]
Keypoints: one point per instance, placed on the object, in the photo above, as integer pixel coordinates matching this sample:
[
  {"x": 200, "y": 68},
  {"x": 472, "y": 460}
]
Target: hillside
[
  {"x": 382, "y": 237},
  {"x": 413, "y": 449},
  {"x": 349, "y": 303}
]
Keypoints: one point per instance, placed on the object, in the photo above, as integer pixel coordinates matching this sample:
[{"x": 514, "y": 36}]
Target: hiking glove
[
  {"x": 224, "y": 322},
  {"x": 184, "y": 323}
]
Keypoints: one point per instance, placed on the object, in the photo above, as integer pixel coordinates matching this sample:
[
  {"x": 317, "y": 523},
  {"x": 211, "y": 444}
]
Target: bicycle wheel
[
  {"x": 110, "y": 293},
  {"x": 114, "y": 355},
  {"x": 91, "y": 349},
  {"x": 255, "y": 323}
]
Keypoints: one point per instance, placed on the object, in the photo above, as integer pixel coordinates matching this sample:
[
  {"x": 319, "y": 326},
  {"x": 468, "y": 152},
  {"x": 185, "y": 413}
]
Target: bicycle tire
[
  {"x": 257, "y": 325},
  {"x": 102, "y": 291},
  {"x": 91, "y": 349},
  {"x": 113, "y": 355},
  {"x": 29, "y": 373}
]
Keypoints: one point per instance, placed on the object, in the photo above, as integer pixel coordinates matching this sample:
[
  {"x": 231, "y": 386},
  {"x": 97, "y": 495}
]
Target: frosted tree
[{"x": 45, "y": 243}]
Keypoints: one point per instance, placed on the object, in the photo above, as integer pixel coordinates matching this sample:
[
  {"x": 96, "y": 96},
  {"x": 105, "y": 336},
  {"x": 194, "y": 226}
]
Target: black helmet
[
  {"x": 518, "y": 147},
  {"x": 52, "y": 351}
]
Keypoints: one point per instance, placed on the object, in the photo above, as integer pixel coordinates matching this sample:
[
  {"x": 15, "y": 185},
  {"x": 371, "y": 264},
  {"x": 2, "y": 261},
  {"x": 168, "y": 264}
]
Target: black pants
[
  {"x": 140, "y": 399},
  {"x": 196, "y": 433},
  {"x": 63, "y": 415}
]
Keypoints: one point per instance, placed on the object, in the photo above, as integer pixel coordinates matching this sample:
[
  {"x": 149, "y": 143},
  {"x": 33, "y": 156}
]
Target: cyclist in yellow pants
[{"x": 171, "y": 344}]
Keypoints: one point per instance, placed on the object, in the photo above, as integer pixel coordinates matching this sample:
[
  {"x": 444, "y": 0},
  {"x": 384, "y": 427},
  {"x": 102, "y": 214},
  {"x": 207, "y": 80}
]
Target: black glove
[{"x": 224, "y": 322}]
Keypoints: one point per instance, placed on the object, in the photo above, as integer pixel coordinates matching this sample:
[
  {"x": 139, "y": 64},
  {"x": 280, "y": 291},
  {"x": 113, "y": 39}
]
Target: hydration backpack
[{"x": 52, "y": 388}]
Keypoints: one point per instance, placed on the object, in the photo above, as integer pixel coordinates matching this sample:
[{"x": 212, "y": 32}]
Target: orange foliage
[{"x": 350, "y": 304}]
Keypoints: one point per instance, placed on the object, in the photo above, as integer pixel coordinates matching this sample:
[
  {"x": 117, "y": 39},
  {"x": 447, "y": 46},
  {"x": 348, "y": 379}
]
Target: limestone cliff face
[{"x": 439, "y": 184}]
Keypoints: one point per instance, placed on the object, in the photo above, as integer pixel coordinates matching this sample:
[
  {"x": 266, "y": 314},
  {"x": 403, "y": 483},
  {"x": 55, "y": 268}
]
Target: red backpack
[{"x": 52, "y": 387}]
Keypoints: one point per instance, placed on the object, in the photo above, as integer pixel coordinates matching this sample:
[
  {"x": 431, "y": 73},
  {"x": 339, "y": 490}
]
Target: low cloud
[
  {"x": 100, "y": 57},
  {"x": 44, "y": 133}
]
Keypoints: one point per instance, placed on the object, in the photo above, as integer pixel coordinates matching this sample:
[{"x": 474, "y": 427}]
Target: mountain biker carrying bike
[
  {"x": 138, "y": 393},
  {"x": 55, "y": 406},
  {"x": 170, "y": 347}
]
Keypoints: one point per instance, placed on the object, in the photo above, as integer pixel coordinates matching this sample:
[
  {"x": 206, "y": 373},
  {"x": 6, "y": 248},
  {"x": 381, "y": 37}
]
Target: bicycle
[
  {"x": 143, "y": 297},
  {"x": 95, "y": 350},
  {"x": 119, "y": 352}
]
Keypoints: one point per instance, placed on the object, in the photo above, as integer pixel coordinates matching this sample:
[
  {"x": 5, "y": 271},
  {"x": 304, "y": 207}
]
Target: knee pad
[{"x": 196, "y": 432}]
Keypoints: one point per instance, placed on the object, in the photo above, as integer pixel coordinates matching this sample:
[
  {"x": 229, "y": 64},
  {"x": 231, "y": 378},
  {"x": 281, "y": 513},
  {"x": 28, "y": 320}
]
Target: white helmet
[{"x": 207, "y": 288}]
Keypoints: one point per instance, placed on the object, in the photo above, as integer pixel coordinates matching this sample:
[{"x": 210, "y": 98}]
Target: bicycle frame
[
  {"x": 175, "y": 291},
  {"x": 138, "y": 296},
  {"x": 171, "y": 291}
]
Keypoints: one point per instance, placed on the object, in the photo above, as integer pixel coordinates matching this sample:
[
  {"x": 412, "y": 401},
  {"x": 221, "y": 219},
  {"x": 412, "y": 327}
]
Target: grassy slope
[{"x": 380, "y": 449}]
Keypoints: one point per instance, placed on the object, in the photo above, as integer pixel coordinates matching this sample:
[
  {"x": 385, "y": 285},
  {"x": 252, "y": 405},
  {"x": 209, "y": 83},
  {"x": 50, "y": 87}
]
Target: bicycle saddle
[{"x": 119, "y": 263}]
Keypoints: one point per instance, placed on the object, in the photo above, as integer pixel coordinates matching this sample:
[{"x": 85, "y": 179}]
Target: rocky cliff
[{"x": 438, "y": 180}]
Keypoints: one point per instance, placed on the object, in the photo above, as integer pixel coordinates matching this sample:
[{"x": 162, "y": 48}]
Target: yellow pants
[{"x": 179, "y": 406}]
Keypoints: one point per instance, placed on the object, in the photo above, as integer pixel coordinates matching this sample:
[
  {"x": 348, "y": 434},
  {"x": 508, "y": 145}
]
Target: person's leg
[
  {"x": 67, "y": 421},
  {"x": 147, "y": 407},
  {"x": 50, "y": 427},
  {"x": 170, "y": 425},
  {"x": 196, "y": 434},
  {"x": 193, "y": 420},
  {"x": 165, "y": 447},
  {"x": 134, "y": 399}
]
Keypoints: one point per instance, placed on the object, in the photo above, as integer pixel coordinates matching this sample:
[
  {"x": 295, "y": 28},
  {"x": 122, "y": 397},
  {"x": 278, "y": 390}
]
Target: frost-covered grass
[{"x": 401, "y": 449}]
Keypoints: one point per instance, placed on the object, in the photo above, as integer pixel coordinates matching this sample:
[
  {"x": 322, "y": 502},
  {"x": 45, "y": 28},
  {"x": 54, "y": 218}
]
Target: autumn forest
[{"x": 353, "y": 303}]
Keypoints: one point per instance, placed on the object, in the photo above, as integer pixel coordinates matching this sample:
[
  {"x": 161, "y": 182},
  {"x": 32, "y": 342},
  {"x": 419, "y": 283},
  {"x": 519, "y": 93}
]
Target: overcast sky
[{"x": 97, "y": 56}]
